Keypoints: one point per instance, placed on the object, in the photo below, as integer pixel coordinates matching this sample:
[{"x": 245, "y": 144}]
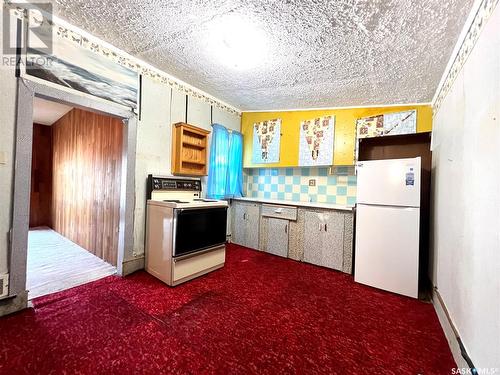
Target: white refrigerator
[{"x": 387, "y": 225}]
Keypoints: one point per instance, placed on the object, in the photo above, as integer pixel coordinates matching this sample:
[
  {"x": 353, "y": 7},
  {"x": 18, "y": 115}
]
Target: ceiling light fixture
[{"x": 237, "y": 42}]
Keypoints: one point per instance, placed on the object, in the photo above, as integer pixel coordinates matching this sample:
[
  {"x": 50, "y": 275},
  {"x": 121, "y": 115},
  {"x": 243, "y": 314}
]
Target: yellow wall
[{"x": 345, "y": 131}]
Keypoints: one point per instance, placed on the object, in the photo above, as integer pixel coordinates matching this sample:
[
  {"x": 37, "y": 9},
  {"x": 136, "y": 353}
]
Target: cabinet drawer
[{"x": 281, "y": 212}]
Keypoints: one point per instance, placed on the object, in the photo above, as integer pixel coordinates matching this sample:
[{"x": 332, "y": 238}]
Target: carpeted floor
[
  {"x": 260, "y": 314},
  {"x": 55, "y": 263}
]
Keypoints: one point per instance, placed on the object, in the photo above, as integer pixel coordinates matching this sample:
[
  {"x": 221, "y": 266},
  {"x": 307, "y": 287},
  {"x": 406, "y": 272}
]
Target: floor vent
[{"x": 4, "y": 285}]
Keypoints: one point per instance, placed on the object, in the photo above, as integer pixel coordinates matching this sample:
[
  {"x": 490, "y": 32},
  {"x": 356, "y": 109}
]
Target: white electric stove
[{"x": 185, "y": 233}]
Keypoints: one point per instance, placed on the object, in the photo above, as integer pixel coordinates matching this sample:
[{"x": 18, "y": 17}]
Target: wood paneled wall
[
  {"x": 41, "y": 177},
  {"x": 87, "y": 157}
]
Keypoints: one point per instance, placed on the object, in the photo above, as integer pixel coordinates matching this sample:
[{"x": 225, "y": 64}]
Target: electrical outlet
[
  {"x": 4, "y": 285},
  {"x": 312, "y": 182}
]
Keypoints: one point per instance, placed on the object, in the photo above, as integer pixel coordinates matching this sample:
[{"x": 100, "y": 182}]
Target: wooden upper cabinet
[{"x": 189, "y": 150}]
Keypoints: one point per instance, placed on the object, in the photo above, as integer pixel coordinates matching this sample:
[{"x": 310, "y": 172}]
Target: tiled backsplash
[{"x": 293, "y": 184}]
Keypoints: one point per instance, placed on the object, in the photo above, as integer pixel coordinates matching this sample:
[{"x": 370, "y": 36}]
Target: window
[{"x": 225, "y": 173}]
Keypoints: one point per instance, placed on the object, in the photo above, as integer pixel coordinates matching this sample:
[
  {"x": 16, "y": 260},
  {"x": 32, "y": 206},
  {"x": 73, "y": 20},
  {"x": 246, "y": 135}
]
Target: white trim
[
  {"x": 335, "y": 108},
  {"x": 449, "y": 329}
]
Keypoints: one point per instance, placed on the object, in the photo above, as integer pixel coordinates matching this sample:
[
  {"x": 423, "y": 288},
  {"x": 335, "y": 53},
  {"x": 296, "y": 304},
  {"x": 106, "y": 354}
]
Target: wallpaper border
[{"x": 481, "y": 17}]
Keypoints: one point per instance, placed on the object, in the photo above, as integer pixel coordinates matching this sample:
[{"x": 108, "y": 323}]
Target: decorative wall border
[
  {"x": 114, "y": 54},
  {"x": 481, "y": 17}
]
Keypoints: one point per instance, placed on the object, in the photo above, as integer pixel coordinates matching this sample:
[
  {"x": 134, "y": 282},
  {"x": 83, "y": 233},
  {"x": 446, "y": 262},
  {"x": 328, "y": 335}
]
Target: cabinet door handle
[
  {"x": 244, "y": 216},
  {"x": 320, "y": 227},
  {"x": 326, "y": 228},
  {"x": 286, "y": 228}
]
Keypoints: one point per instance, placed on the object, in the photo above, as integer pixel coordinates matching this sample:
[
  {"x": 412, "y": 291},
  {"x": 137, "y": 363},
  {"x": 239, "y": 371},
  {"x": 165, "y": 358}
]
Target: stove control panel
[{"x": 171, "y": 184}]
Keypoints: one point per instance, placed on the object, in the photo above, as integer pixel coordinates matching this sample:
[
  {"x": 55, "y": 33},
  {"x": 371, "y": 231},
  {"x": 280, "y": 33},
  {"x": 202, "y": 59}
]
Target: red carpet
[{"x": 260, "y": 314}]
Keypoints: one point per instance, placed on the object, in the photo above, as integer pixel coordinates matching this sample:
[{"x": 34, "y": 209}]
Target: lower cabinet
[
  {"x": 275, "y": 233},
  {"x": 245, "y": 223},
  {"x": 318, "y": 236},
  {"x": 324, "y": 239}
]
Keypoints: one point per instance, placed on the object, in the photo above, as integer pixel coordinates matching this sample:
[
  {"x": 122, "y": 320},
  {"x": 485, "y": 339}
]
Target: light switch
[{"x": 3, "y": 159}]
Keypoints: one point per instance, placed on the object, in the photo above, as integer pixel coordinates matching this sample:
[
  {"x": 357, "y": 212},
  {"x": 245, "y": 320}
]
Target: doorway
[
  {"x": 75, "y": 197},
  {"x": 27, "y": 92}
]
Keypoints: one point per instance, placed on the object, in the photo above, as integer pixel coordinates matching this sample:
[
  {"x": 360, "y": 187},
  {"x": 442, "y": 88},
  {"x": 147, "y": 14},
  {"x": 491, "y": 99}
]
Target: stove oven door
[{"x": 198, "y": 229}]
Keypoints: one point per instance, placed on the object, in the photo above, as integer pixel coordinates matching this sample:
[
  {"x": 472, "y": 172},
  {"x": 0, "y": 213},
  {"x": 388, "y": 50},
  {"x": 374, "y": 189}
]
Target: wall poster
[
  {"x": 266, "y": 141},
  {"x": 388, "y": 124},
  {"x": 317, "y": 141},
  {"x": 75, "y": 67}
]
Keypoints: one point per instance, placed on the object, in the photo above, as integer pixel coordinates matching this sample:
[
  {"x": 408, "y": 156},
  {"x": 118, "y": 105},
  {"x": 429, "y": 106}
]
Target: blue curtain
[
  {"x": 234, "y": 183},
  {"x": 225, "y": 174},
  {"x": 219, "y": 153}
]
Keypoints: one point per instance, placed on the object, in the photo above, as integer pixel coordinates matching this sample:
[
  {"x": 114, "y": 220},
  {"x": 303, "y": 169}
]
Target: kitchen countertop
[{"x": 329, "y": 206}]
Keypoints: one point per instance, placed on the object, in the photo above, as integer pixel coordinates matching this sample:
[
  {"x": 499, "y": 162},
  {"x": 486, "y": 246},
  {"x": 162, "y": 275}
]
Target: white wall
[
  {"x": 162, "y": 107},
  {"x": 466, "y": 199},
  {"x": 7, "y": 131}
]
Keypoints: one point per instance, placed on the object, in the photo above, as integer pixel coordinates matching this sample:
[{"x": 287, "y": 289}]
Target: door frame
[{"x": 27, "y": 90}]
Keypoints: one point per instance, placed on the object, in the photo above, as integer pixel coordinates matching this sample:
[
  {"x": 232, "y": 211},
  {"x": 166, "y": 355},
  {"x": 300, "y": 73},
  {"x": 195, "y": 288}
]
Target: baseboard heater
[{"x": 463, "y": 351}]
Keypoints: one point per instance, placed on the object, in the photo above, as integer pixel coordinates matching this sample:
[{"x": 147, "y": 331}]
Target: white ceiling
[
  {"x": 47, "y": 113},
  {"x": 318, "y": 53}
]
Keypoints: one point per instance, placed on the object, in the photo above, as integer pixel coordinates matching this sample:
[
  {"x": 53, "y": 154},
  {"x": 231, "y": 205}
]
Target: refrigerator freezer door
[
  {"x": 387, "y": 248},
  {"x": 394, "y": 182}
]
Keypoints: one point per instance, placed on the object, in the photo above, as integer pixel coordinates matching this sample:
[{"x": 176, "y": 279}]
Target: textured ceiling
[{"x": 319, "y": 53}]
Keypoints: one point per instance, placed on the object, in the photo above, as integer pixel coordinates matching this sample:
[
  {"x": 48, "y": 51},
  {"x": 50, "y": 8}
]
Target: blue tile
[
  {"x": 341, "y": 190},
  {"x": 332, "y": 180},
  {"x": 296, "y": 197},
  {"x": 254, "y": 194},
  {"x": 304, "y": 171},
  {"x": 281, "y": 179},
  {"x": 267, "y": 194},
  {"x": 304, "y": 188},
  {"x": 322, "y": 189},
  {"x": 288, "y": 188},
  {"x": 331, "y": 199},
  {"x": 313, "y": 198},
  {"x": 296, "y": 180},
  {"x": 261, "y": 187},
  {"x": 274, "y": 172},
  {"x": 267, "y": 180},
  {"x": 262, "y": 172},
  {"x": 255, "y": 179},
  {"x": 351, "y": 201},
  {"x": 322, "y": 171},
  {"x": 281, "y": 195},
  {"x": 289, "y": 171},
  {"x": 274, "y": 188},
  {"x": 351, "y": 180}
]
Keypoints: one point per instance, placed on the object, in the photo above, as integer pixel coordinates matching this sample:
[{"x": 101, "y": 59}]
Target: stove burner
[
  {"x": 205, "y": 200},
  {"x": 174, "y": 201}
]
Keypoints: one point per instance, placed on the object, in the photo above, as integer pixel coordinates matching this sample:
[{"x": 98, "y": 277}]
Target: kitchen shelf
[{"x": 189, "y": 150}]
